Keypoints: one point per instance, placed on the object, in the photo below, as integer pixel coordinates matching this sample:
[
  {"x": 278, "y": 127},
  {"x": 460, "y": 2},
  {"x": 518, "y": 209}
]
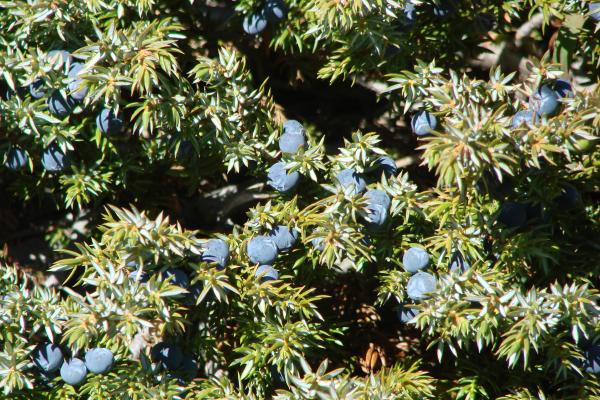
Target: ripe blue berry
[
  {"x": 108, "y": 122},
  {"x": 59, "y": 57},
  {"x": 378, "y": 205},
  {"x": 591, "y": 363},
  {"x": 217, "y": 251},
  {"x": 415, "y": 259},
  {"x": 386, "y": 165},
  {"x": 37, "y": 89},
  {"x": 291, "y": 143},
  {"x": 139, "y": 276},
  {"x": 523, "y": 117},
  {"x": 420, "y": 285},
  {"x": 99, "y": 360},
  {"x": 275, "y": 10},
  {"x": 168, "y": 355},
  {"x": 544, "y": 101},
  {"x": 261, "y": 250},
  {"x": 194, "y": 293},
  {"x": 594, "y": 11},
  {"x": 283, "y": 237},
  {"x": 58, "y": 104},
  {"x": 318, "y": 243},
  {"x": 406, "y": 313},
  {"x": 54, "y": 159},
  {"x": 351, "y": 181},
  {"x": 178, "y": 277},
  {"x": 280, "y": 180},
  {"x": 458, "y": 263},
  {"x": 78, "y": 90},
  {"x": 266, "y": 273},
  {"x": 48, "y": 357},
  {"x": 293, "y": 127},
  {"x": 73, "y": 372},
  {"x": 423, "y": 122},
  {"x": 512, "y": 214},
  {"x": 253, "y": 24},
  {"x": 16, "y": 159},
  {"x": 563, "y": 89},
  {"x": 410, "y": 14}
]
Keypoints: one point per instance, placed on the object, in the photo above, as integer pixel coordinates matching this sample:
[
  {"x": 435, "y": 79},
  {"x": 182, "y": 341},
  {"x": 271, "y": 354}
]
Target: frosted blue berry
[
  {"x": 253, "y": 24},
  {"x": 261, "y": 250},
  {"x": 544, "y": 101},
  {"x": 108, "y": 122},
  {"x": 563, "y": 89},
  {"x": 406, "y": 313},
  {"x": 512, "y": 214},
  {"x": 16, "y": 159},
  {"x": 77, "y": 89},
  {"x": 59, "y": 57},
  {"x": 280, "y": 180},
  {"x": 266, "y": 273},
  {"x": 594, "y": 11},
  {"x": 54, "y": 159},
  {"x": 423, "y": 122},
  {"x": 420, "y": 285},
  {"x": 178, "y": 277},
  {"x": 37, "y": 89},
  {"x": 351, "y": 181},
  {"x": 73, "y": 372},
  {"x": 458, "y": 263},
  {"x": 217, "y": 251},
  {"x": 523, "y": 117},
  {"x": 386, "y": 165},
  {"x": 378, "y": 205},
  {"x": 283, "y": 237},
  {"x": 291, "y": 143},
  {"x": 168, "y": 355},
  {"x": 275, "y": 10},
  {"x": 318, "y": 243},
  {"x": 591, "y": 363},
  {"x": 99, "y": 360},
  {"x": 293, "y": 127},
  {"x": 58, "y": 104},
  {"x": 48, "y": 357},
  {"x": 415, "y": 259},
  {"x": 138, "y": 275}
]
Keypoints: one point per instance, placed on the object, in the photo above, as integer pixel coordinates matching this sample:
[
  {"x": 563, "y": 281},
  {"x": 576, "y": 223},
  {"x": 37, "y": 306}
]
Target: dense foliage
[{"x": 299, "y": 199}]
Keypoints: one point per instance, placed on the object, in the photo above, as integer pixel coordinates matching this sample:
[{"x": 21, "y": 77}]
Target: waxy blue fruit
[
  {"x": 280, "y": 180},
  {"x": 261, "y": 250},
  {"x": 594, "y": 11},
  {"x": 58, "y": 104},
  {"x": 54, "y": 159},
  {"x": 318, "y": 243},
  {"x": 108, "y": 122},
  {"x": 386, "y": 165},
  {"x": 378, "y": 206},
  {"x": 291, "y": 143},
  {"x": 523, "y": 117},
  {"x": 267, "y": 273},
  {"x": 406, "y": 313},
  {"x": 512, "y": 214},
  {"x": 48, "y": 357},
  {"x": 73, "y": 372},
  {"x": 217, "y": 251},
  {"x": 293, "y": 127},
  {"x": 420, "y": 285},
  {"x": 37, "y": 89},
  {"x": 78, "y": 90},
  {"x": 99, "y": 360},
  {"x": 16, "y": 159},
  {"x": 351, "y": 181},
  {"x": 253, "y": 24},
  {"x": 138, "y": 275},
  {"x": 178, "y": 277},
  {"x": 544, "y": 101},
  {"x": 591, "y": 363},
  {"x": 423, "y": 122},
  {"x": 563, "y": 88},
  {"x": 283, "y": 237},
  {"x": 168, "y": 355},
  {"x": 415, "y": 259},
  {"x": 458, "y": 263},
  {"x": 275, "y": 10}
]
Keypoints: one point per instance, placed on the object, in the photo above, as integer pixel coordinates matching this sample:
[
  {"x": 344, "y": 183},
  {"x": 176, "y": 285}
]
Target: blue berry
[
  {"x": 443, "y": 9},
  {"x": 420, "y": 284},
  {"x": 423, "y": 122},
  {"x": 378, "y": 205},
  {"x": 293, "y": 127},
  {"x": 16, "y": 159},
  {"x": 544, "y": 101},
  {"x": 591, "y": 363},
  {"x": 512, "y": 214},
  {"x": 58, "y": 104},
  {"x": 253, "y": 24},
  {"x": 217, "y": 251},
  {"x": 168, "y": 355},
  {"x": 523, "y": 117},
  {"x": 275, "y": 10},
  {"x": 594, "y": 11},
  {"x": 137, "y": 275},
  {"x": 99, "y": 360},
  {"x": 78, "y": 90},
  {"x": 318, "y": 243},
  {"x": 406, "y": 313},
  {"x": 54, "y": 159},
  {"x": 261, "y": 250},
  {"x": 37, "y": 89},
  {"x": 59, "y": 57},
  {"x": 280, "y": 180},
  {"x": 73, "y": 372},
  {"x": 178, "y": 277},
  {"x": 48, "y": 357},
  {"x": 415, "y": 259},
  {"x": 386, "y": 165},
  {"x": 351, "y": 181},
  {"x": 108, "y": 122},
  {"x": 290, "y": 143},
  {"x": 563, "y": 89},
  {"x": 410, "y": 14},
  {"x": 267, "y": 273},
  {"x": 194, "y": 294},
  {"x": 458, "y": 263},
  {"x": 283, "y": 237}
]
